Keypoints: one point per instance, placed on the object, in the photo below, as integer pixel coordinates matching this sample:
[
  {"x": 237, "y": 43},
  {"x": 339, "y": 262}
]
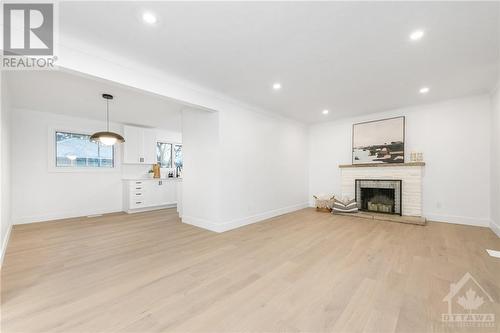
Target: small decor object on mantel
[
  {"x": 379, "y": 141},
  {"x": 345, "y": 206},
  {"x": 416, "y": 157},
  {"x": 324, "y": 203}
]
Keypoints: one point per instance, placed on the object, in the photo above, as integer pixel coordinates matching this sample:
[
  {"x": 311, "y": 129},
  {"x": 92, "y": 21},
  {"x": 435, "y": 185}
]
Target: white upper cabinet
[
  {"x": 149, "y": 146},
  {"x": 139, "y": 146},
  {"x": 133, "y": 144}
]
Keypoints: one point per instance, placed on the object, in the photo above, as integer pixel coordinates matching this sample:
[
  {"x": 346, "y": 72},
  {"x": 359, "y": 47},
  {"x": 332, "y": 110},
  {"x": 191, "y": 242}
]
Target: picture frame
[{"x": 379, "y": 141}]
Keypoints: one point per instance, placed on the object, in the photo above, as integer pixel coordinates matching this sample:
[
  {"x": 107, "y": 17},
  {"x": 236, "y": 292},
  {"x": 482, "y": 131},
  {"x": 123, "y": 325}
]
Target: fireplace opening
[
  {"x": 379, "y": 200},
  {"x": 379, "y": 196}
]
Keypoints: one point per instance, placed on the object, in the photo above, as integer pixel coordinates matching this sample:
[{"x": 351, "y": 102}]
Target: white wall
[
  {"x": 454, "y": 137},
  {"x": 252, "y": 168},
  {"x": 495, "y": 163},
  {"x": 264, "y": 168},
  {"x": 201, "y": 174},
  {"x": 265, "y": 158},
  {"x": 241, "y": 167},
  {"x": 270, "y": 192},
  {"x": 5, "y": 170},
  {"x": 40, "y": 192}
]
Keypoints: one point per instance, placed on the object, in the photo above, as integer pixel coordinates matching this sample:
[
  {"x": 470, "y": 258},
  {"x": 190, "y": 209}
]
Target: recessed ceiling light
[
  {"x": 277, "y": 86},
  {"x": 149, "y": 18},
  {"x": 325, "y": 111},
  {"x": 424, "y": 90},
  {"x": 417, "y": 35}
]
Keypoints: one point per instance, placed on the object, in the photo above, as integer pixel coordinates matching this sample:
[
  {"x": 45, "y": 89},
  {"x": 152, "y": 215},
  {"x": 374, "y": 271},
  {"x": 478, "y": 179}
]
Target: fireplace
[{"x": 379, "y": 195}]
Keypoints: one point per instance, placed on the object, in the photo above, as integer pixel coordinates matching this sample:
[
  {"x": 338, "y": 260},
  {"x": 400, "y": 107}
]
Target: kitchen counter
[{"x": 152, "y": 179}]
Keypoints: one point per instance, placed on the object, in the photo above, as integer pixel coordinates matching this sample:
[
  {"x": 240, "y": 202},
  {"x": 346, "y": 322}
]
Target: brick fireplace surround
[{"x": 409, "y": 173}]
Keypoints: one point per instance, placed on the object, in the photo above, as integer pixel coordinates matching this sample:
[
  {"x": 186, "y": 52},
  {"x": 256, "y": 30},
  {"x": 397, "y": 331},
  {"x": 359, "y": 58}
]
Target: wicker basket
[{"x": 324, "y": 203}]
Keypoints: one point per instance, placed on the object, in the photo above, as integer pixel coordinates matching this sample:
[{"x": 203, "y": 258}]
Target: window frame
[
  {"x": 52, "y": 153},
  {"x": 173, "y": 155},
  {"x": 172, "y": 144}
]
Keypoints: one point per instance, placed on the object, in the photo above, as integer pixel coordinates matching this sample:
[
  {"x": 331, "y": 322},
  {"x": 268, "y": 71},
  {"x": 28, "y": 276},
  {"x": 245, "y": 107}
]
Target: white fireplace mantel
[
  {"x": 410, "y": 174},
  {"x": 382, "y": 165}
]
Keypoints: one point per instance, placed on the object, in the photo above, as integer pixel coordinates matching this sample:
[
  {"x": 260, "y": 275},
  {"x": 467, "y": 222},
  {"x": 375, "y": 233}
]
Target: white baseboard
[
  {"x": 233, "y": 224},
  {"x": 225, "y": 226},
  {"x": 4, "y": 244},
  {"x": 60, "y": 216},
  {"x": 477, "y": 222},
  {"x": 149, "y": 209},
  {"x": 201, "y": 223},
  {"x": 495, "y": 228}
]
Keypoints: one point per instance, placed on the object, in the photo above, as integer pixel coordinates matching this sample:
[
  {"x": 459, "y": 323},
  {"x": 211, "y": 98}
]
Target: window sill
[{"x": 55, "y": 169}]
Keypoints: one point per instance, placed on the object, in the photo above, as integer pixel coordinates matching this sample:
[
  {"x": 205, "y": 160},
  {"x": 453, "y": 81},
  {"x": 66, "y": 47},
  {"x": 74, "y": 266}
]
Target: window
[
  {"x": 169, "y": 155},
  {"x": 76, "y": 150},
  {"x": 178, "y": 156},
  {"x": 164, "y": 154}
]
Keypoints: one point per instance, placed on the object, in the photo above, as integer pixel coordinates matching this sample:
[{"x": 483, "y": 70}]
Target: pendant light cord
[{"x": 107, "y": 115}]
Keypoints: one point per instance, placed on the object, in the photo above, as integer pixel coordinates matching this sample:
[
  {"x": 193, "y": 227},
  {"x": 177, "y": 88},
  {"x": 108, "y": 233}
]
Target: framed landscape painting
[{"x": 379, "y": 141}]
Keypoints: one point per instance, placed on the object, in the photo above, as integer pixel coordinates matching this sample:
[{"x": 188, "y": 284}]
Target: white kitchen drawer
[
  {"x": 136, "y": 188},
  {"x": 138, "y": 203},
  {"x": 141, "y": 195}
]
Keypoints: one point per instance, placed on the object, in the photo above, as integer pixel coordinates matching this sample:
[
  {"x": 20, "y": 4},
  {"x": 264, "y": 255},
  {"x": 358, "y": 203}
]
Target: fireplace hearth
[{"x": 379, "y": 195}]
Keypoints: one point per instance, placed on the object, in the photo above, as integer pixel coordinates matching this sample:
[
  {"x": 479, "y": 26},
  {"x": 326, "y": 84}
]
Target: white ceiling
[
  {"x": 348, "y": 57},
  {"x": 79, "y": 96}
]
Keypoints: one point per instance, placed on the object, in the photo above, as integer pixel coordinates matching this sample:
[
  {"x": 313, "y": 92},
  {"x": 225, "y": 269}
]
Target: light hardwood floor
[{"x": 304, "y": 271}]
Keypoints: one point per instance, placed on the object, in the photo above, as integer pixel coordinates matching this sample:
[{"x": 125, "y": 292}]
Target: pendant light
[{"x": 107, "y": 138}]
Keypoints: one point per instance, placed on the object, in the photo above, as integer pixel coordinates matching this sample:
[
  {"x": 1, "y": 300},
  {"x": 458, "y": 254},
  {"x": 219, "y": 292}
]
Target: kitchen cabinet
[
  {"x": 139, "y": 146},
  {"x": 149, "y": 194},
  {"x": 165, "y": 192},
  {"x": 149, "y": 146}
]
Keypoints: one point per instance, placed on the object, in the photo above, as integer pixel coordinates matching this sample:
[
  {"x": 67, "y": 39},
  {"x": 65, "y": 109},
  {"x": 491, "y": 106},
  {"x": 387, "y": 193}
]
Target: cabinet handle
[
  {"x": 138, "y": 183},
  {"x": 138, "y": 188},
  {"x": 141, "y": 159},
  {"x": 138, "y": 202}
]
